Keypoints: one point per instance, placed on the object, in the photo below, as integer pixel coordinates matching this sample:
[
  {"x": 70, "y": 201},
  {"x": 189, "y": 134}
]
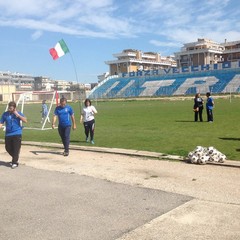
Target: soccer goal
[{"x": 38, "y": 107}]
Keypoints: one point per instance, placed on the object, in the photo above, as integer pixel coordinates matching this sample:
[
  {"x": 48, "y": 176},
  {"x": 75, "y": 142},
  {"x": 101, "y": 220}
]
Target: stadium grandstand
[
  {"x": 200, "y": 67},
  {"x": 216, "y": 78}
]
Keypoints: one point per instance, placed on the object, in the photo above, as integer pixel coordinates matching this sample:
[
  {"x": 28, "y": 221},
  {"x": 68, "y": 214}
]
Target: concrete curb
[{"x": 128, "y": 152}]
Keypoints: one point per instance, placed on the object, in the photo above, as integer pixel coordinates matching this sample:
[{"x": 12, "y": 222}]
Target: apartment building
[
  {"x": 232, "y": 51},
  {"x": 202, "y": 52},
  {"x": 130, "y": 60},
  {"x": 206, "y": 51},
  {"x": 62, "y": 85},
  {"x": 23, "y": 82},
  {"x": 44, "y": 84}
]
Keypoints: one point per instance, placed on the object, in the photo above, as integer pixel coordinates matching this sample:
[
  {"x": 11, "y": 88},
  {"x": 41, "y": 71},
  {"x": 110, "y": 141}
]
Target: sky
[{"x": 95, "y": 29}]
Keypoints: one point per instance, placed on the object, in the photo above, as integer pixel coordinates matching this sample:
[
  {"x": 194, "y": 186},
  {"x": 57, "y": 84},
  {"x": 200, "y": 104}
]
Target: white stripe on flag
[{"x": 59, "y": 50}]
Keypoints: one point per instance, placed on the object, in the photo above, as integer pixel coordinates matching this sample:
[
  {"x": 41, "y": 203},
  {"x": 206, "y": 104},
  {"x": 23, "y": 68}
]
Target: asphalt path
[
  {"x": 40, "y": 204},
  {"x": 99, "y": 193}
]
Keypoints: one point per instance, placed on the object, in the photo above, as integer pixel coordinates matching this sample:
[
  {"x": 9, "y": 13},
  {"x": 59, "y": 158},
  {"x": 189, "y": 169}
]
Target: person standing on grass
[
  {"x": 198, "y": 107},
  {"x": 44, "y": 111},
  {"x": 13, "y": 132},
  {"x": 209, "y": 107},
  {"x": 87, "y": 118},
  {"x": 66, "y": 119}
]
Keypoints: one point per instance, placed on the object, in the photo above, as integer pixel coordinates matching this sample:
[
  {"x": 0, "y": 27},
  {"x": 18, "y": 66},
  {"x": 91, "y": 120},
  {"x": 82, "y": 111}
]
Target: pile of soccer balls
[{"x": 202, "y": 155}]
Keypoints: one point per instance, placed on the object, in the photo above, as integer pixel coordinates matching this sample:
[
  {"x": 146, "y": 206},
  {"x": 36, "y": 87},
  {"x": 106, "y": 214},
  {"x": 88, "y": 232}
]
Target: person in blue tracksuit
[
  {"x": 209, "y": 107},
  {"x": 44, "y": 112},
  {"x": 13, "y": 133},
  {"x": 66, "y": 120}
]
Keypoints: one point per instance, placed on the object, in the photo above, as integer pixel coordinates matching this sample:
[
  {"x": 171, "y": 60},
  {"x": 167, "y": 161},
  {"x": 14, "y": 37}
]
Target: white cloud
[
  {"x": 93, "y": 18},
  {"x": 177, "y": 21},
  {"x": 15, "y": 8},
  {"x": 214, "y": 3},
  {"x": 190, "y": 14},
  {"x": 37, "y": 35},
  {"x": 164, "y": 44},
  {"x": 52, "y": 27}
]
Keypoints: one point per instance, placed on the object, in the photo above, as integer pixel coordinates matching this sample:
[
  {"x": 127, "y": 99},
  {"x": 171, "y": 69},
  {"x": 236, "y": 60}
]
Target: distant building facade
[
  {"x": 23, "y": 82},
  {"x": 130, "y": 60},
  {"x": 206, "y": 51},
  {"x": 44, "y": 84},
  {"x": 6, "y": 91},
  {"x": 232, "y": 51},
  {"x": 62, "y": 85}
]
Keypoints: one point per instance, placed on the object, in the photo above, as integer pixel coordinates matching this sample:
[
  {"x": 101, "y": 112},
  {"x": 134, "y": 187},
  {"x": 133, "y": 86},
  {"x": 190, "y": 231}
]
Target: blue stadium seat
[{"x": 216, "y": 81}]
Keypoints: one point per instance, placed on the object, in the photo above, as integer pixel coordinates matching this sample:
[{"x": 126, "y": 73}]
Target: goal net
[{"x": 38, "y": 107}]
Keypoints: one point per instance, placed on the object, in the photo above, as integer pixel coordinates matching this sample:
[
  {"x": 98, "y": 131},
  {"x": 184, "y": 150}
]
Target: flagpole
[{"x": 74, "y": 66}]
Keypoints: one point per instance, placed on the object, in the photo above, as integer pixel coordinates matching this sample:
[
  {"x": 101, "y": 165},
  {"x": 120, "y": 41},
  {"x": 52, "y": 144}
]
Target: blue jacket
[
  {"x": 64, "y": 114},
  {"x": 209, "y": 103},
  {"x": 13, "y": 124}
]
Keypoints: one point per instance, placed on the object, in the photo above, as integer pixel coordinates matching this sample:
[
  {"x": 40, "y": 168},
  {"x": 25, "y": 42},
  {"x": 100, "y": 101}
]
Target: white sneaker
[{"x": 14, "y": 165}]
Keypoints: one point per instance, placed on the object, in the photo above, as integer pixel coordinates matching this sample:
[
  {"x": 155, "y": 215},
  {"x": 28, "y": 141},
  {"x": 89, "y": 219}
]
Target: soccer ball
[
  {"x": 203, "y": 159},
  {"x": 222, "y": 158},
  {"x": 199, "y": 149},
  {"x": 210, "y": 150},
  {"x": 194, "y": 159},
  {"x": 190, "y": 154}
]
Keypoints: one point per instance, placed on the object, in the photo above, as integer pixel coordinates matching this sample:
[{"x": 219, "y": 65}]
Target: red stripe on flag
[{"x": 54, "y": 54}]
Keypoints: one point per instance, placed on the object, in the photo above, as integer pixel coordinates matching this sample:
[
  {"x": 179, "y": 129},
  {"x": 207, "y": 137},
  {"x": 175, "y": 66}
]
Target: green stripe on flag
[{"x": 64, "y": 46}]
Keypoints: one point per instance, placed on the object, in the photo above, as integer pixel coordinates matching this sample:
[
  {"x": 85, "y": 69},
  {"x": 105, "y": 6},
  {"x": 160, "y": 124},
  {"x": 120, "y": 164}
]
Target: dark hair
[
  {"x": 208, "y": 94},
  {"x": 63, "y": 99},
  {"x": 87, "y": 100},
  {"x": 12, "y": 104}
]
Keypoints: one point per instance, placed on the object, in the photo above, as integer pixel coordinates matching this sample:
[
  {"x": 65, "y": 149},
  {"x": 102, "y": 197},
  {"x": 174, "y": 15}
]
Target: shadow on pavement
[
  {"x": 4, "y": 164},
  {"x": 49, "y": 152}
]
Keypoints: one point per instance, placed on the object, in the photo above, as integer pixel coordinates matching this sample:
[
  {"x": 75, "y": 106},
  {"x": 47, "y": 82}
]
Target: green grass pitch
[{"x": 164, "y": 126}]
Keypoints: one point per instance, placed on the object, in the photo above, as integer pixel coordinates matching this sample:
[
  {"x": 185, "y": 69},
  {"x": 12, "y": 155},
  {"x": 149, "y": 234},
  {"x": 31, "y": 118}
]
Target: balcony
[
  {"x": 124, "y": 54},
  {"x": 196, "y": 51},
  {"x": 234, "y": 50}
]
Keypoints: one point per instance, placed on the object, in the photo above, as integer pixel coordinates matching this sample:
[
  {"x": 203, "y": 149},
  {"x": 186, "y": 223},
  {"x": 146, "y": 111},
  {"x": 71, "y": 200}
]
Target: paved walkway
[{"x": 130, "y": 196}]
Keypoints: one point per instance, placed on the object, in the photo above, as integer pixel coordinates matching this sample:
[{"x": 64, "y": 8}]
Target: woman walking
[{"x": 87, "y": 118}]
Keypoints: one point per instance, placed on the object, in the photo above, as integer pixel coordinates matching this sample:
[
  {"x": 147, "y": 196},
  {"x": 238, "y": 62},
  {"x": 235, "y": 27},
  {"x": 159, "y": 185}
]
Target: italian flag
[{"x": 59, "y": 50}]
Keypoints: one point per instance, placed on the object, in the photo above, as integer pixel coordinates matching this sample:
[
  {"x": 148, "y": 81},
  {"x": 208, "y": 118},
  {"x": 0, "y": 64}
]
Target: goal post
[
  {"x": 31, "y": 105},
  {"x": 49, "y": 111}
]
